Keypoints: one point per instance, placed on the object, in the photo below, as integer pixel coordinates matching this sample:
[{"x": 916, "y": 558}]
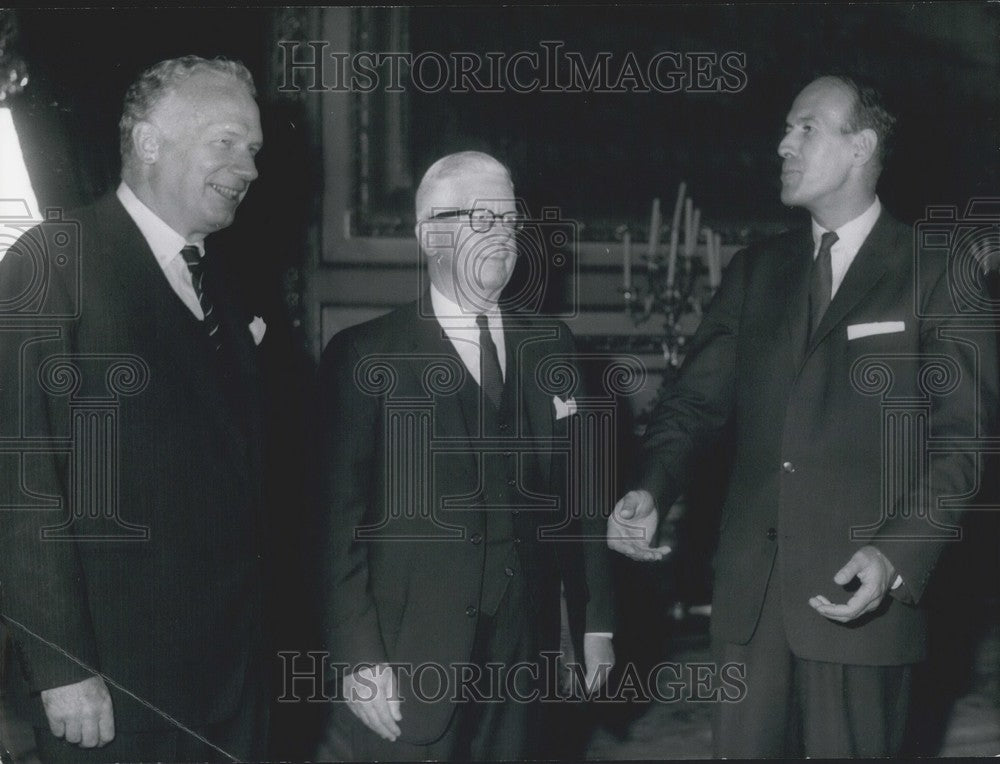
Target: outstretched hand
[{"x": 632, "y": 527}]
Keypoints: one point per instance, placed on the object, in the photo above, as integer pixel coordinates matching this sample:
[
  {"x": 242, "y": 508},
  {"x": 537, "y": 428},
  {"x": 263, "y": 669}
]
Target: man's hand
[
  {"x": 598, "y": 659},
  {"x": 876, "y": 574},
  {"x": 370, "y": 693},
  {"x": 632, "y": 527},
  {"x": 81, "y": 712}
]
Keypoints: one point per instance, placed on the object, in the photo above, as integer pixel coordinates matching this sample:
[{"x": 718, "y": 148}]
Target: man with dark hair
[
  {"x": 868, "y": 113},
  {"x": 134, "y": 601},
  {"x": 823, "y": 347}
]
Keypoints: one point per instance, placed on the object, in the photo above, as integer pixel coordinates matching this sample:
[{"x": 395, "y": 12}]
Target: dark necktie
[
  {"x": 490, "y": 376},
  {"x": 821, "y": 281},
  {"x": 194, "y": 262}
]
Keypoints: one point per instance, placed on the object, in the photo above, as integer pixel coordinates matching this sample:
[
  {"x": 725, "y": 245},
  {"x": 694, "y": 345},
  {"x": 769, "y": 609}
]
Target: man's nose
[
  {"x": 246, "y": 168},
  {"x": 786, "y": 148}
]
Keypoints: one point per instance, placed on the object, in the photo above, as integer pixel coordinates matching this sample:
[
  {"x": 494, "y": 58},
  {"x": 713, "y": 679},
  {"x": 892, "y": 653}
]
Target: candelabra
[{"x": 676, "y": 290}]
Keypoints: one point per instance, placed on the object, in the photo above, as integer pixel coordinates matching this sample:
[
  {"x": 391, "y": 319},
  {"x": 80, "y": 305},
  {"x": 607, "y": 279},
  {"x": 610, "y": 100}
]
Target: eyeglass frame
[{"x": 505, "y": 219}]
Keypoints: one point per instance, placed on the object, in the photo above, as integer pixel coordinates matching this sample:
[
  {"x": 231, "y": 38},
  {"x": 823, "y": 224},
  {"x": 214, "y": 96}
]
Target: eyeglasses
[{"x": 481, "y": 220}]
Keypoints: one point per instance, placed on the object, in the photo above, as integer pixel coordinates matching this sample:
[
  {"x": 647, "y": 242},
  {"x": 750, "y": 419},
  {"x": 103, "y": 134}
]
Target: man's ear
[
  {"x": 865, "y": 143},
  {"x": 146, "y": 140}
]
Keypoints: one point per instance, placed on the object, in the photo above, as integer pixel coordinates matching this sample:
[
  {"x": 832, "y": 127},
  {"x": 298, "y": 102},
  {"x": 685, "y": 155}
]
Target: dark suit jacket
[
  {"x": 813, "y": 428},
  {"x": 173, "y": 618},
  {"x": 402, "y": 594}
]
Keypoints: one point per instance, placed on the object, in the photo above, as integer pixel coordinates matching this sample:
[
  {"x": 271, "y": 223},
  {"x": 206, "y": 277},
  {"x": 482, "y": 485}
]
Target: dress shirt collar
[
  {"x": 460, "y": 327},
  {"x": 451, "y": 315},
  {"x": 165, "y": 242},
  {"x": 852, "y": 234}
]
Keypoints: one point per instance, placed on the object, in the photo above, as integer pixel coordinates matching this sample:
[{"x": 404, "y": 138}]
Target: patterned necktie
[
  {"x": 194, "y": 262},
  {"x": 490, "y": 376},
  {"x": 821, "y": 281}
]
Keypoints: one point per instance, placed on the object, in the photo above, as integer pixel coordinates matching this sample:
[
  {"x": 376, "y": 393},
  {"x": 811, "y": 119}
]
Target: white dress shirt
[
  {"x": 461, "y": 328},
  {"x": 850, "y": 237},
  {"x": 166, "y": 244}
]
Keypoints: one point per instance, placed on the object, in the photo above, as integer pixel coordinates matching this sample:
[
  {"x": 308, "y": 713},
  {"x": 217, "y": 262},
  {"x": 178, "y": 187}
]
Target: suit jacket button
[
  {"x": 471, "y": 611},
  {"x": 788, "y": 467},
  {"x": 476, "y": 538},
  {"x": 517, "y": 539},
  {"x": 508, "y": 571},
  {"x": 772, "y": 534},
  {"x": 512, "y": 482}
]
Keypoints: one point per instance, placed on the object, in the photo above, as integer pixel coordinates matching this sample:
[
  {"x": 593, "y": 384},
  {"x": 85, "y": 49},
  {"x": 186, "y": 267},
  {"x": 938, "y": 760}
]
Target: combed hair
[
  {"x": 869, "y": 113},
  {"x": 159, "y": 80},
  {"x": 449, "y": 169}
]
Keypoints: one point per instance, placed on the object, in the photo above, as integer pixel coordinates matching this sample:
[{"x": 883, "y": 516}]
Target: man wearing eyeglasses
[{"x": 442, "y": 587}]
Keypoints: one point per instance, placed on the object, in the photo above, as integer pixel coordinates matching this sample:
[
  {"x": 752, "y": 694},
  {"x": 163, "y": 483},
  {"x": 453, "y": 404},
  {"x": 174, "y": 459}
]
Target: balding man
[
  {"x": 442, "y": 588},
  {"x": 820, "y": 346},
  {"x": 135, "y": 599}
]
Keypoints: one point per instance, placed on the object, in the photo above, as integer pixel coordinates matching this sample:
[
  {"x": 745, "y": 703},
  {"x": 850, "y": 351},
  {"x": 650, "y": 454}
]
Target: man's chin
[
  {"x": 789, "y": 197},
  {"x": 221, "y": 220}
]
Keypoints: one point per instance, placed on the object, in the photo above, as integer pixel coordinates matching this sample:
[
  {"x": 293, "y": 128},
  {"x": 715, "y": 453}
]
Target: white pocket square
[
  {"x": 257, "y": 328},
  {"x": 563, "y": 408},
  {"x": 855, "y": 331}
]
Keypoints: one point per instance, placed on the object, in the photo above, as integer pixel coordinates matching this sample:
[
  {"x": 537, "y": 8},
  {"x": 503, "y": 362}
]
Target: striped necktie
[{"x": 195, "y": 264}]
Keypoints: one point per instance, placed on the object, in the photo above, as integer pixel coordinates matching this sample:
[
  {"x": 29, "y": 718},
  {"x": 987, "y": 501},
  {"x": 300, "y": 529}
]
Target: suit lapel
[
  {"x": 793, "y": 278},
  {"x": 870, "y": 265},
  {"x": 524, "y": 356},
  {"x": 173, "y": 335},
  {"x": 455, "y": 416}
]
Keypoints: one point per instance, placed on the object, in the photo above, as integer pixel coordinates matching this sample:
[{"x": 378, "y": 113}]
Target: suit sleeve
[
  {"x": 43, "y": 595},
  {"x": 600, "y": 609},
  {"x": 696, "y": 409},
  {"x": 970, "y": 410},
  {"x": 348, "y": 421}
]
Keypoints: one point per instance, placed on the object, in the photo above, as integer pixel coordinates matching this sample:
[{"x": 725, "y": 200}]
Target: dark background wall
[{"x": 598, "y": 156}]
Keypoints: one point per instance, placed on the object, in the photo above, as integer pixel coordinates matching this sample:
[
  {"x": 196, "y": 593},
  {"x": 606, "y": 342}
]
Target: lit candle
[
  {"x": 717, "y": 259},
  {"x": 627, "y": 260},
  {"x": 688, "y": 232},
  {"x": 654, "y": 229},
  {"x": 709, "y": 242},
  {"x": 675, "y": 234},
  {"x": 691, "y": 242}
]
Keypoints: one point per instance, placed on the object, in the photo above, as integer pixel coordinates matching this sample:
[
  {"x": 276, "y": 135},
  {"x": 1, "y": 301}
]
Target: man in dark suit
[
  {"x": 445, "y": 489},
  {"x": 134, "y": 600},
  {"x": 832, "y": 353}
]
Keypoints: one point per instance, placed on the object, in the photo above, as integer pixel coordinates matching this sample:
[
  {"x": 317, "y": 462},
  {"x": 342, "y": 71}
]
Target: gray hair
[
  {"x": 449, "y": 170},
  {"x": 159, "y": 80}
]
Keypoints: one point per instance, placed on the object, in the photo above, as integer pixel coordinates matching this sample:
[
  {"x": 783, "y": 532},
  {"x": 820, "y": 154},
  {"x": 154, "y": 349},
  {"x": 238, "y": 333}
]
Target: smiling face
[
  {"x": 474, "y": 267},
  {"x": 822, "y": 163},
  {"x": 199, "y": 146}
]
